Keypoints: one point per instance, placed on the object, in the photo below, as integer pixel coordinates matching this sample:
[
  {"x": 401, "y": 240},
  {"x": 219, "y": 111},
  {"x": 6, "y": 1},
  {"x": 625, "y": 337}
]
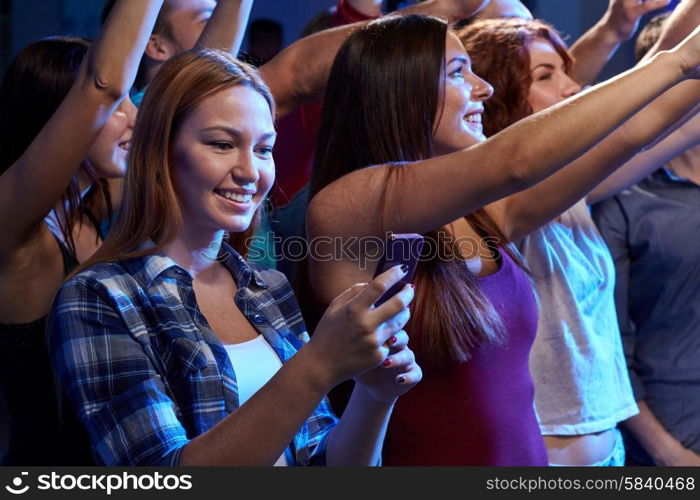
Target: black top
[{"x": 41, "y": 432}]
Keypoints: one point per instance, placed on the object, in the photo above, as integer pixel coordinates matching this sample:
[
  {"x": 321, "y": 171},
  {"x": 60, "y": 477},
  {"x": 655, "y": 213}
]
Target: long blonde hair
[{"x": 150, "y": 207}]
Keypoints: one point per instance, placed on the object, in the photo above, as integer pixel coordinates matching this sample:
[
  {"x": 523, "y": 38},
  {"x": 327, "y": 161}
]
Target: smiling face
[
  {"x": 459, "y": 123},
  {"x": 550, "y": 82},
  {"x": 222, "y": 162},
  {"x": 107, "y": 155}
]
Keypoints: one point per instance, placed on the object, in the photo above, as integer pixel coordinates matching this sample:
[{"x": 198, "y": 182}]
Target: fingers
[
  {"x": 399, "y": 360},
  {"x": 411, "y": 376},
  {"x": 348, "y": 295},
  {"x": 650, "y": 5},
  {"x": 397, "y": 341},
  {"x": 376, "y": 288},
  {"x": 394, "y": 305}
]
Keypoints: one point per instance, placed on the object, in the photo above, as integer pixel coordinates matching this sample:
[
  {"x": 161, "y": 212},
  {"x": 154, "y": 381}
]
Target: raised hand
[
  {"x": 688, "y": 52},
  {"x": 353, "y": 336},
  {"x": 622, "y": 16}
]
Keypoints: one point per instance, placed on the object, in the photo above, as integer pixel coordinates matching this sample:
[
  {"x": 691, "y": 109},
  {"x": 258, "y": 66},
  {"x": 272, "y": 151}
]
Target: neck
[
  {"x": 197, "y": 253},
  {"x": 687, "y": 165}
]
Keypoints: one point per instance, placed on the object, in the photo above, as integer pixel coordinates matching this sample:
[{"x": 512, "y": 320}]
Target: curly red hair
[{"x": 499, "y": 52}]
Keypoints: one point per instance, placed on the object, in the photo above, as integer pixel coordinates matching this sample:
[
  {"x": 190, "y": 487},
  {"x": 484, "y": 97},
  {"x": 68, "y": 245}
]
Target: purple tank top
[{"x": 480, "y": 412}]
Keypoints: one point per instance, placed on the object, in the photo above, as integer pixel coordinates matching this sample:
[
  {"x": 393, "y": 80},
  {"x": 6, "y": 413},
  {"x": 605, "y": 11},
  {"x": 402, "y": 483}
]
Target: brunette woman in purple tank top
[{"x": 401, "y": 90}]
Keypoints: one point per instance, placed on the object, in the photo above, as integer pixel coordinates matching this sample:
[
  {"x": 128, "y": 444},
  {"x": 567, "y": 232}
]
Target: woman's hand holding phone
[{"x": 354, "y": 337}]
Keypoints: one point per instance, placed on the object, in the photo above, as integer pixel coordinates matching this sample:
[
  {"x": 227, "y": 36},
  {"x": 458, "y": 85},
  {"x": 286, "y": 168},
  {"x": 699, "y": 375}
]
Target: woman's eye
[
  {"x": 546, "y": 76},
  {"x": 458, "y": 73},
  {"x": 265, "y": 151}
]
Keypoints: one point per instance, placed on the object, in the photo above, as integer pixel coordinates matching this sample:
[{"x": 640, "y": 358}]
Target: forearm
[
  {"x": 358, "y": 437},
  {"x": 367, "y": 7},
  {"x": 116, "y": 53},
  {"x": 450, "y": 10},
  {"x": 299, "y": 73},
  {"x": 56, "y": 153},
  {"x": 655, "y": 439},
  {"x": 258, "y": 432},
  {"x": 685, "y": 18},
  {"x": 592, "y": 51},
  {"x": 646, "y": 162},
  {"x": 226, "y": 27},
  {"x": 612, "y": 165}
]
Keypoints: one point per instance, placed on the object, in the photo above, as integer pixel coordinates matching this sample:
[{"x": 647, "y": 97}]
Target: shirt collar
[{"x": 155, "y": 265}]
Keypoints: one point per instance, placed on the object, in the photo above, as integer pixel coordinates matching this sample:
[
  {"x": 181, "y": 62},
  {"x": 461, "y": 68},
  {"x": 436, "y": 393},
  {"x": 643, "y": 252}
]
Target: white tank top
[{"x": 254, "y": 362}]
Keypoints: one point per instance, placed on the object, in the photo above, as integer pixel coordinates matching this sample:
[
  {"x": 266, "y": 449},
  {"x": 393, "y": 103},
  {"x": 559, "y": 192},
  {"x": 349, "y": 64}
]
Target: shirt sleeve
[
  {"x": 614, "y": 227},
  {"x": 109, "y": 379}
]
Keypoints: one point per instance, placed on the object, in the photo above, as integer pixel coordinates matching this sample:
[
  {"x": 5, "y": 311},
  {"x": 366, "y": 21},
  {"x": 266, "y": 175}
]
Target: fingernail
[
  {"x": 404, "y": 268},
  {"x": 386, "y": 362},
  {"x": 402, "y": 380},
  {"x": 393, "y": 340}
]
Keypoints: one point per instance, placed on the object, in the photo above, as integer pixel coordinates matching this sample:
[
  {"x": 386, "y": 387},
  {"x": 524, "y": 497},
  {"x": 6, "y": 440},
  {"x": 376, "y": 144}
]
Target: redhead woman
[
  {"x": 577, "y": 354},
  {"x": 172, "y": 348},
  {"x": 65, "y": 121},
  {"x": 413, "y": 109}
]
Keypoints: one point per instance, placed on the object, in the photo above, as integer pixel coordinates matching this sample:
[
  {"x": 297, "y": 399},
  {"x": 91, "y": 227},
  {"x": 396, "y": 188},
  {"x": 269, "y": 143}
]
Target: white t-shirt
[
  {"x": 254, "y": 362},
  {"x": 577, "y": 362}
]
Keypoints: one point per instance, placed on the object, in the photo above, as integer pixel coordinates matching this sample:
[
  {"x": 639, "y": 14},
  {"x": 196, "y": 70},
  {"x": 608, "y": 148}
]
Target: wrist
[
  {"x": 320, "y": 375},
  {"x": 608, "y": 33},
  {"x": 369, "y": 397}
]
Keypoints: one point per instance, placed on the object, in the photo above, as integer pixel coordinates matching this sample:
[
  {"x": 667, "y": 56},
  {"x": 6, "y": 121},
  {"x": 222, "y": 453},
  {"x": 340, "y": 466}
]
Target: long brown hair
[
  {"x": 499, "y": 50},
  {"x": 33, "y": 87},
  {"x": 382, "y": 104},
  {"x": 150, "y": 207}
]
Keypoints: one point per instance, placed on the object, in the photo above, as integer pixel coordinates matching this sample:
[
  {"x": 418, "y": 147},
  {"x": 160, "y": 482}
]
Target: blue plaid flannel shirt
[{"x": 144, "y": 370}]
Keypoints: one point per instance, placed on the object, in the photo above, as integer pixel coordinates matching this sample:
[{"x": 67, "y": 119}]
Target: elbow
[
  {"x": 112, "y": 89},
  {"x": 520, "y": 173}
]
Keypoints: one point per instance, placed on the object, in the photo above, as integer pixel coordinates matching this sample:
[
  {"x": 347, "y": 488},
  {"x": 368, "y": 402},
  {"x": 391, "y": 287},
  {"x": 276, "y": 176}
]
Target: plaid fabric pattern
[{"x": 145, "y": 371}]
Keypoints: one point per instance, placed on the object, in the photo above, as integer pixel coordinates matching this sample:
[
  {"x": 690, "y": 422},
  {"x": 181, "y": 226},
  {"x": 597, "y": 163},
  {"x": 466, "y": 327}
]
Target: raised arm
[
  {"x": 590, "y": 175},
  {"x": 299, "y": 73},
  {"x": 226, "y": 27},
  {"x": 32, "y": 186},
  {"x": 434, "y": 192},
  {"x": 594, "y": 49}
]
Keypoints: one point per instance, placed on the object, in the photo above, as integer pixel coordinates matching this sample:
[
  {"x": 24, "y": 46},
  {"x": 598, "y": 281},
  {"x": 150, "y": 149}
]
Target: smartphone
[{"x": 399, "y": 249}]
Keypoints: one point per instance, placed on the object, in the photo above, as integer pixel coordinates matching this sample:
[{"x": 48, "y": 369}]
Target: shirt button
[{"x": 258, "y": 318}]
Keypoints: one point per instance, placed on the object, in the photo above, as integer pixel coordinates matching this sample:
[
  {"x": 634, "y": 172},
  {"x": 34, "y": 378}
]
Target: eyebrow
[
  {"x": 545, "y": 65},
  {"x": 237, "y": 133}
]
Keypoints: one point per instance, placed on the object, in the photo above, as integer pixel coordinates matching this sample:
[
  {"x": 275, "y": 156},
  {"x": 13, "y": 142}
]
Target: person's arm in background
[
  {"x": 299, "y": 73},
  {"x": 370, "y": 8},
  {"x": 593, "y": 49},
  {"x": 656, "y": 440},
  {"x": 226, "y": 27},
  {"x": 33, "y": 185},
  {"x": 643, "y": 164}
]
